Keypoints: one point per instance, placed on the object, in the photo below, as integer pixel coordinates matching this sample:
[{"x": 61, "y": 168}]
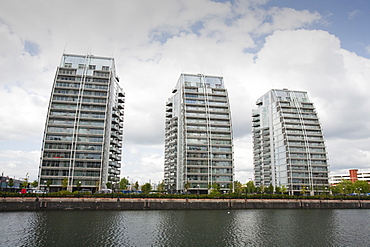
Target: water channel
[{"x": 260, "y": 227}]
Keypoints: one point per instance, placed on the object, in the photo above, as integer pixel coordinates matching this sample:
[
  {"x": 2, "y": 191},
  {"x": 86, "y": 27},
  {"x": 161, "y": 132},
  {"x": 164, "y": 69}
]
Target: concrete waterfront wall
[{"x": 36, "y": 204}]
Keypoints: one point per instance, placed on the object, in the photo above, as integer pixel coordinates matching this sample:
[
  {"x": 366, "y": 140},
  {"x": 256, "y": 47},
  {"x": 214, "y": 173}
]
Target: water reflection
[
  {"x": 186, "y": 228},
  {"x": 283, "y": 228},
  {"x": 194, "y": 228}
]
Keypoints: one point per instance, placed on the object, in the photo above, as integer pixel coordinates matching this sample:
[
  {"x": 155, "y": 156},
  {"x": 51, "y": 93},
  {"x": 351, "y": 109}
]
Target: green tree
[
  {"x": 215, "y": 193},
  {"x": 251, "y": 188},
  {"x": 283, "y": 189},
  {"x": 304, "y": 190},
  {"x": 136, "y": 186},
  {"x": 23, "y": 185},
  {"x": 187, "y": 185},
  {"x": 361, "y": 186},
  {"x": 335, "y": 189},
  {"x": 345, "y": 186},
  {"x": 11, "y": 182},
  {"x": 277, "y": 190},
  {"x": 270, "y": 189},
  {"x": 48, "y": 183},
  {"x": 146, "y": 188},
  {"x": 161, "y": 186},
  {"x": 109, "y": 185},
  {"x": 315, "y": 188},
  {"x": 64, "y": 183},
  {"x": 238, "y": 187},
  {"x": 231, "y": 187},
  {"x": 123, "y": 184},
  {"x": 260, "y": 189},
  {"x": 35, "y": 183},
  {"x": 78, "y": 185},
  {"x": 216, "y": 187}
]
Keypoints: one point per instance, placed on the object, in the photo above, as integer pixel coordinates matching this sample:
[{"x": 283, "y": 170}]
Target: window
[
  {"x": 67, "y": 71},
  {"x": 68, "y": 65},
  {"x": 105, "y": 68},
  {"x": 81, "y": 66},
  {"x": 105, "y": 74},
  {"x": 92, "y": 66}
]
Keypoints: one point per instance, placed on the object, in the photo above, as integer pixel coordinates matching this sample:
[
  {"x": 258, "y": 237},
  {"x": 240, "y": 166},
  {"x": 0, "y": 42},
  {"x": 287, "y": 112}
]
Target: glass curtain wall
[
  {"x": 288, "y": 144},
  {"x": 198, "y": 142},
  {"x": 84, "y": 126}
]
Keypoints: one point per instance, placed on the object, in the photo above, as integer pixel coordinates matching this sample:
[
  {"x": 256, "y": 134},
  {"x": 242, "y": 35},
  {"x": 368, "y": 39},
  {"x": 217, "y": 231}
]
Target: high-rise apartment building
[
  {"x": 288, "y": 143},
  {"x": 198, "y": 136},
  {"x": 82, "y": 142}
]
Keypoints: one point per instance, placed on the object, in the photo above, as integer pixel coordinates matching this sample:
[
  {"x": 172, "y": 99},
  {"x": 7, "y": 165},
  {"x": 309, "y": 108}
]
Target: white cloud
[
  {"x": 143, "y": 164},
  {"x": 287, "y": 18},
  {"x": 353, "y": 14},
  {"x": 16, "y": 163},
  {"x": 24, "y": 115},
  {"x": 348, "y": 154},
  {"x": 243, "y": 158},
  {"x": 367, "y": 48}
]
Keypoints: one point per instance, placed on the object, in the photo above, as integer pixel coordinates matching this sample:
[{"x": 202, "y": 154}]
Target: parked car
[
  {"x": 105, "y": 191},
  {"x": 86, "y": 191},
  {"x": 38, "y": 192}
]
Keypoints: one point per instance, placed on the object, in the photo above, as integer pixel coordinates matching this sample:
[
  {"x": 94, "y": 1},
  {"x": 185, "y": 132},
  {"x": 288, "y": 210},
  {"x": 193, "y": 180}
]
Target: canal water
[{"x": 270, "y": 227}]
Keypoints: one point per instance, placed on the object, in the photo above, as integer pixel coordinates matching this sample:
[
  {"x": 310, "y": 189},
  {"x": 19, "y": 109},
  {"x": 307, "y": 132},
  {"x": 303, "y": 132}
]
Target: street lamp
[
  {"x": 198, "y": 189},
  {"x": 359, "y": 192},
  {"x": 307, "y": 190},
  {"x": 261, "y": 192},
  {"x": 43, "y": 192}
]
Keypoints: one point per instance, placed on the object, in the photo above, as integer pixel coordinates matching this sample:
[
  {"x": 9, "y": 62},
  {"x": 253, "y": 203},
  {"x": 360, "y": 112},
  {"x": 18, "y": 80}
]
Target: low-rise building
[{"x": 353, "y": 175}]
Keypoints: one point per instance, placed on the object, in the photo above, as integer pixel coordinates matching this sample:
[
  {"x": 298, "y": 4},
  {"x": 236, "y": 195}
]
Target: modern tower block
[
  {"x": 82, "y": 142},
  {"x": 289, "y": 152},
  {"x": 198, "y": 136}
]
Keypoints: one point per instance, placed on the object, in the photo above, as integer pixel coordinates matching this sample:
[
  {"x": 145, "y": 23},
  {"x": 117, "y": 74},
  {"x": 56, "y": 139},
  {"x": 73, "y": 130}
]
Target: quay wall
[{"x": 37, "y": 204}]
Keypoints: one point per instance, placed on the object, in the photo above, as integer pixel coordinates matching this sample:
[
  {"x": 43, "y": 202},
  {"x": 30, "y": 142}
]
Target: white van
[{"x": 105, "y": 191}]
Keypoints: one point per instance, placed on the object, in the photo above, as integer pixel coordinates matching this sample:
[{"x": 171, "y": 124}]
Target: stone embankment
[{"x": 37, "y": 204}]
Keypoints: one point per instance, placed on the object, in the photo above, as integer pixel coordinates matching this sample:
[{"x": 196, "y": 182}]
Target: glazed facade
[
  {"x": 288, "y": 144},
  {"x": 198, "y": 136},
  {"x": 84, "y": 127}
]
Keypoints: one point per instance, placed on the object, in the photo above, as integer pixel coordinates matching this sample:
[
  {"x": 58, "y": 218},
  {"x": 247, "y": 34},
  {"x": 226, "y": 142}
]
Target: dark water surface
[{"x": 260, "y": 227}]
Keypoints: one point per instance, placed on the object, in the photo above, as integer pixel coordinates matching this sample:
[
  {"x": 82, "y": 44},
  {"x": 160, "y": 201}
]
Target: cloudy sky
[{"x": 322, "y": 47}]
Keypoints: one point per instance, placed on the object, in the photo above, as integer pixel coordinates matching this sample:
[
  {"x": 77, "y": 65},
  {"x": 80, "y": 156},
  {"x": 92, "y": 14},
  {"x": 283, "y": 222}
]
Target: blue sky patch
[
  {"x": 342, "y": 18},
  {"x": 32, "y": 48}
]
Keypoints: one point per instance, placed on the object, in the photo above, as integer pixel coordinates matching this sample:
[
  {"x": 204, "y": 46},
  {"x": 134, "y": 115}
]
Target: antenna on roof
[
  {"x": 65, "y": 47},
  {"x": 89, "y": 50},
  {"x": 112, "y": 52},
  {"x": 202, "y": 70}
]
